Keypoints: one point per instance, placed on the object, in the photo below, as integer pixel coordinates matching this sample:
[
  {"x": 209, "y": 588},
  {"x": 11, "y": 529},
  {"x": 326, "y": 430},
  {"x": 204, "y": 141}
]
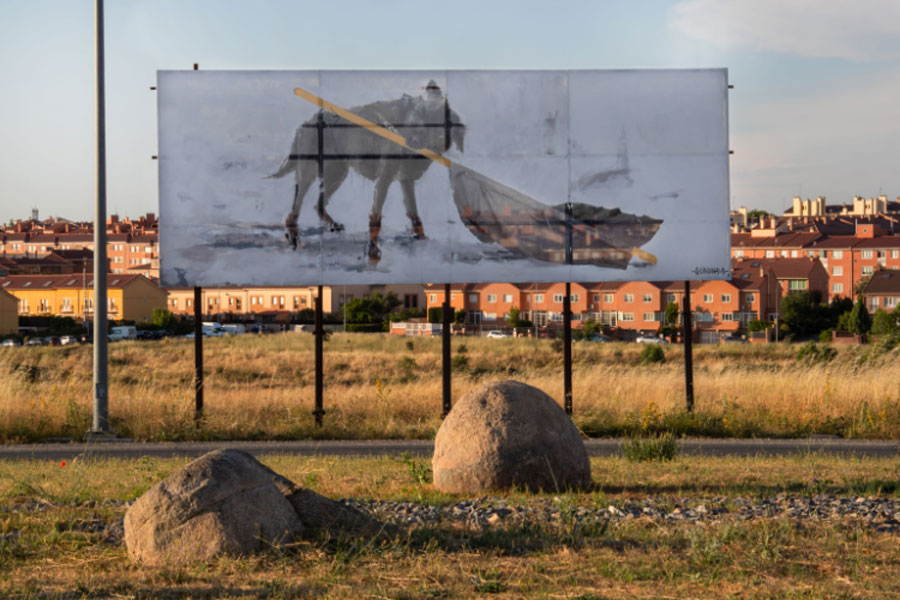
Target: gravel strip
[{"x": 880, "y": 514}]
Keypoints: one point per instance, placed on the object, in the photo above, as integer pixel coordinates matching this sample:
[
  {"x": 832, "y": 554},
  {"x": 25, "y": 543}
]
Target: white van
[
  {"x": 234, "y": 329},
  {"x": 123, "y": 332}
]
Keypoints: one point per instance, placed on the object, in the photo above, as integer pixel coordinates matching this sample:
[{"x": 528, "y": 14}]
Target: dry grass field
[
  {"x": 54, "y": 539},
  {"x": 378, "y": 386}
]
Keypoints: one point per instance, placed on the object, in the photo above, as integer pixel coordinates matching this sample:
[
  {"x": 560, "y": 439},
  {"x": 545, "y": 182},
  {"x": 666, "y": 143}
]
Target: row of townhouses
[{"x": 47, "y": 267}]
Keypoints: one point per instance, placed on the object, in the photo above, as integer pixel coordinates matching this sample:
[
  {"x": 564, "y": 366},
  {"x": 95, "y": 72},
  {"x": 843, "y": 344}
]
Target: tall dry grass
[{"x": 379, "y": 386}]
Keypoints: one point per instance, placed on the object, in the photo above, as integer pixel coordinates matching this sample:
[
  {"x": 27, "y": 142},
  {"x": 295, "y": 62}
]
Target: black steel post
[
  {"x": 567, "y": 320},
  {"x": 567, "y": 349},
  {"x": 446, "y": 312},
  {"x": 688, "y": 336},
  {"x": 320, "y": 371},
  {"x": 198, "y": 355}
]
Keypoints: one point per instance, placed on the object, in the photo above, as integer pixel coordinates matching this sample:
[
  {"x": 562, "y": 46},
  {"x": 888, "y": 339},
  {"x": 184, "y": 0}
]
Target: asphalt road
[{"x": 600, "y": 447}]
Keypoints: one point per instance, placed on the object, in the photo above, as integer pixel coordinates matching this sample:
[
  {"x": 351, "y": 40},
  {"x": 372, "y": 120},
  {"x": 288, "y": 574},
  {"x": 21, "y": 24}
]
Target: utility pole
[{"x": 100, "y": 423}]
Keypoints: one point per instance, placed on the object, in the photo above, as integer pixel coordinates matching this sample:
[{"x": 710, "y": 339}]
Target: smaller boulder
[
  {"x": 508, "y": 433},
  {"x": 223, "y": 502}
]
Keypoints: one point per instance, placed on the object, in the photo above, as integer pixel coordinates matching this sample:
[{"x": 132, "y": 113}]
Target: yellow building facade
[
  {"x": 240, "y": 301},
  {"x": 129, "y": 297},
  {"x": 9, "y": 314}
]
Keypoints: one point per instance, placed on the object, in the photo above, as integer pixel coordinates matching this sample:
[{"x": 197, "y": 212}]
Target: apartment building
[
  {"x": 129, "y": 297},
  {"x": 9, "y": 313},
  {"x": 882, "y": 290},
  {"x": 239, "y": 302}
]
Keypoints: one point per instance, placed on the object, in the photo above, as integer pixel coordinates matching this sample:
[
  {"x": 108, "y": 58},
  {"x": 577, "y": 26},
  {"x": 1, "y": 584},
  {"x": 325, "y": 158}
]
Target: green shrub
[
  {"x": 811, "y": 353},
  {"x": 459, "y": 362},
  {"x": 825, "y": 336},
  {"x": 652, "y": 354},
  {"x": 646, "y": 449}
]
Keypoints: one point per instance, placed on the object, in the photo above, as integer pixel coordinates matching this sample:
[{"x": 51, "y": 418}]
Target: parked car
[
  {"x": 496, "y": 333},
  {"x": 35, "y": 341},
  {"x": 11, "y": 342},
  {"x": 735, "y": 340},
  {"x": 123, "y": 332},
  {"x": 68, "y": 340},
  {"x": 650, "y": 339},
  {"x": 599, "y": 338}
]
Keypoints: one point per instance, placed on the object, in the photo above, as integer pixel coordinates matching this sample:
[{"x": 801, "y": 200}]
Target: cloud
[{"x": 861, "y": 30}]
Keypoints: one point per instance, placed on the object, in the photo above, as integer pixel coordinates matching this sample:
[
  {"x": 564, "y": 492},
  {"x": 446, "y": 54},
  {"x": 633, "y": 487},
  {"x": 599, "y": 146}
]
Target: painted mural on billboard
[{"x": 271, "y": 178}]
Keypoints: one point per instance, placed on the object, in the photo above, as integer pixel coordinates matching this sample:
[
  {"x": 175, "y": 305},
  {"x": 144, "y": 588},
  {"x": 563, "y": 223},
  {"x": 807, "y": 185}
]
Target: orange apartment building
[{"x": 718, "y": 307}]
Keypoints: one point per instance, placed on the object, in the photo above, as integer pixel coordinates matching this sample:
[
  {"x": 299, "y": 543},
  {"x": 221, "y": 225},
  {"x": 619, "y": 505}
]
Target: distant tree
[
  {"x": 859, "y": 321},
  {"x": 837, "y": 307},
  {"x": 803, "y": 313},
  {"x": 459, "y": 317},
  {"x": 590, "y": 329},
  {"x": 861, "y": 284},
  {"x": 371, "y": 309},
  {"x": 672, "y": 313},
  {"x": 163, "y": 318},
  {"x": 512, "y": 319},
  {"x": 757, "y": 325},
  {"x": 756, "y": 214},
  {"x": 884, "y": 322}
]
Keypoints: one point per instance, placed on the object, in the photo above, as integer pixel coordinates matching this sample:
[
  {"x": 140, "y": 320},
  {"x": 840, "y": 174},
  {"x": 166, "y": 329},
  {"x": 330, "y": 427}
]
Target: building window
[
  {"x": 410, "y": 301},
  {"x": 296, "y": 302},
  {"x": 507, "y": 297},
  {"x": 473, "y": 298},
  {"x": 749, "y": 298},
  {"x": 726, "y": 298},
  {"x": 727, "y": 316},
  {"x": 867, "y": 254},
  {"x": 796, "y": 285},
  {"x": 648, "y": 298},
  {"x": 573, "y": 298},
  {"x": 837, "y": 271},
  {"x": 253, "y": 300},
  {"x": 890, "y": 301},
  {"x": 629, "y": 298},
  {"x": 868, "y": 270},
  {"x": 174, "y": 302},
  {"x": 596, "y": 298},
  {"x": 738, "y": 253},
  {"x": 837, "y": 288},
  {"x": 432, "y": 298},
  {"x": 492, "y": 298},
  {"x": 837, "y": 254},
  {"x": 670, "y": 298},
  {"x": 627, "y": 317},
  {"x": 558, "y": 298},
  {"x": 188, "y": 302},
  {"x": 707, "y": 298},
  {"x": 538, "y": 298},
  {"x": 770, "y": 254},
  {"x": 650, "y": 316},
  {"x": 608, "y": 298},
  {"x": 874, "y": 301}
]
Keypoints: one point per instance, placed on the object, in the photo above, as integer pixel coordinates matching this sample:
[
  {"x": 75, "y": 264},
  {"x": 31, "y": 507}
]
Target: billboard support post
[
  {"x": 320, "y": 374},
  {"x": 688, "y": 348},
  {"x": 567, "y": 319},
  {"x": 100, "y": 423},
  {"x": 198, "y": 355},
  {"x": 445, "y": 350}
]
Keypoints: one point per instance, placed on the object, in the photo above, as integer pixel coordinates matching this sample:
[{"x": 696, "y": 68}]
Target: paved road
[{"x": 601, "y": 447}]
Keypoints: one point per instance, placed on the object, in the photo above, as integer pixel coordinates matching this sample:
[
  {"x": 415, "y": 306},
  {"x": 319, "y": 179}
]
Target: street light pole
[{"x": 100, "y": 423}]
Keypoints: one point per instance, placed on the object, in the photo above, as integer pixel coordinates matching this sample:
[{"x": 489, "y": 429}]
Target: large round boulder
[
  {"x": 508, "y": 433},
  {"x": 223, "y": 502}
]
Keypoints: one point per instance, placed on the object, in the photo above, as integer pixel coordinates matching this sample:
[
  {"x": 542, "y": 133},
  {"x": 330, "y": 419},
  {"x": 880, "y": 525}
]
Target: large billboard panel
[{"x": 372, "y": 177}]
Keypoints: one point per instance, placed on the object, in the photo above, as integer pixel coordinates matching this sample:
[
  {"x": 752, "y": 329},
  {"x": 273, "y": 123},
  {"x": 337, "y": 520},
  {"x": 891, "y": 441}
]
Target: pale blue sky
[{"x": 815, "y": 109}]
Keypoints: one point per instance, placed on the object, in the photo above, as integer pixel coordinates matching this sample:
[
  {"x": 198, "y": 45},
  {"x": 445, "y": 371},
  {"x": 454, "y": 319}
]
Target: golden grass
[
  {"x": 46, "y": 552},
  {"x": 377, "y": 387}
]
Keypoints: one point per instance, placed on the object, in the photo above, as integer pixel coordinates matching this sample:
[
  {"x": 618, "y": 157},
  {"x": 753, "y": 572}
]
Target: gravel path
[
  {"x": 480, "y": 514},
  {"x": 881, "y": 514}
]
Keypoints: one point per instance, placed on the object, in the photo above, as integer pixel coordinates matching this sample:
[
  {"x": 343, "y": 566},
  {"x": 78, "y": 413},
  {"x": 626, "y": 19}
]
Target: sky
[{"x": 815, "y": 108}]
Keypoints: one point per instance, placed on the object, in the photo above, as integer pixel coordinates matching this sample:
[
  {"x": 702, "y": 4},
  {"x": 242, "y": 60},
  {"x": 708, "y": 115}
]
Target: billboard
[{"x": 373, "y": 177}]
